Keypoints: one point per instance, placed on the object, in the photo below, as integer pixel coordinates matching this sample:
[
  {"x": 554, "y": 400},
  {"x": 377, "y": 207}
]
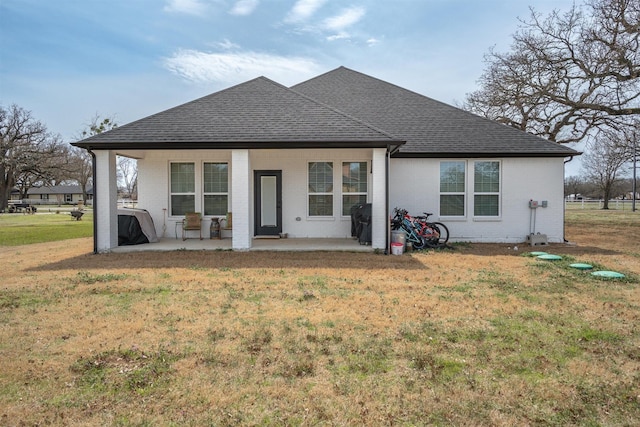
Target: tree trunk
[{"x": 6, "y": 184}]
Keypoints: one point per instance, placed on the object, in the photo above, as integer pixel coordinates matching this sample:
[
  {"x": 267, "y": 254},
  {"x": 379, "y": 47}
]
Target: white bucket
[
  {"x": 398, "y": 236},
  {"x": 397, "y": 248}
]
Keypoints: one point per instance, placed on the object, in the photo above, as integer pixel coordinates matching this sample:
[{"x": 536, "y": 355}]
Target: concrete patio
[{"x": 258, "y": 244}]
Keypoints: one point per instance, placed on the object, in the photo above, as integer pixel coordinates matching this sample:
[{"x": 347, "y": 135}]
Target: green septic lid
[
  {"x": 608, "y": 274},
  {"x": 581, "y": 266},
  {"x": 538, "y": 253},
  {"x": 549, "y": 257}
]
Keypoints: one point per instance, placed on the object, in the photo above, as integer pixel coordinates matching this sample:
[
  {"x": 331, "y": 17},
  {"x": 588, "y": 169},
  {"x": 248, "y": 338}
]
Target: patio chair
[{"x": 192, "y": 221}]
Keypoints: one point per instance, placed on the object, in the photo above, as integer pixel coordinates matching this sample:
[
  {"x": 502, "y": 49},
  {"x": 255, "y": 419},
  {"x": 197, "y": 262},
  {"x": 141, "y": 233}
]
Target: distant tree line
[
  {"x": 579, "y": 187},
  {"x": 31, "y": 156}
]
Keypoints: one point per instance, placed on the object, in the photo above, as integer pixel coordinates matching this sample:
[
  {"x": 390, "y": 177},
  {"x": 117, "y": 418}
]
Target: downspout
[
  {"x": 564, "y": 205},
  {"x": 95, "y": 199},
  {"x": 386, "y": 202},
  {"x": 387, "y": 164}
]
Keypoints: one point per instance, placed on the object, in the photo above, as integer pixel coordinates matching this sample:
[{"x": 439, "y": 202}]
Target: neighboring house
[
  {"x": 58, "y": 194},
  {"x": 297, "y": 159}
]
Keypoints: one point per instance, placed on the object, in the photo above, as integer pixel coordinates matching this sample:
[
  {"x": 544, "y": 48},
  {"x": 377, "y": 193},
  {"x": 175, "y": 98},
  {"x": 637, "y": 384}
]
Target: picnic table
[{"x": 17, "y": 207}]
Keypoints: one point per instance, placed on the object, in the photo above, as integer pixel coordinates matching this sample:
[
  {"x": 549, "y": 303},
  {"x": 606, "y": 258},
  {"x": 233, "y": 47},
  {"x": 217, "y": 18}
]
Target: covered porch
[
  {"x": 257, "y": 244},
  {"x": 244, "y": 195}
]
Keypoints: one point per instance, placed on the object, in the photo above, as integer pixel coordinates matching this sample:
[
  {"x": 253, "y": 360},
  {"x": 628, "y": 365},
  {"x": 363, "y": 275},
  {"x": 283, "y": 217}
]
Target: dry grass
[{"x": 480, "y": 335}]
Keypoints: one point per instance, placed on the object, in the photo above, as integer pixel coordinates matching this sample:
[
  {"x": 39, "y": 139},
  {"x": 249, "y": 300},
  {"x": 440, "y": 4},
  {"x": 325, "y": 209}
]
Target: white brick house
[{"x": 296, "y": 159}]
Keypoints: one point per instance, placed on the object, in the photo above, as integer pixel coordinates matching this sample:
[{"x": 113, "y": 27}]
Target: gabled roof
[
  {"x": 257, "y": 114},
  {"x": 431, "y": 128},
  {"x": 339, "y": 109}
]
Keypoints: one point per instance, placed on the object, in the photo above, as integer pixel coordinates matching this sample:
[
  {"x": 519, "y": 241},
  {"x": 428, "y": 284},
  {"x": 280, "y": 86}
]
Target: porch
[{"x": 289, "y": 244}]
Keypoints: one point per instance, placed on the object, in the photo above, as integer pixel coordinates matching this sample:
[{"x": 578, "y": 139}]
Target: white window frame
[
  {"x": 453, "y": 193},
  {"x": 331, "y": 193},
  {"x": 497, "y": 193},
  {"x": 354, "y": 193},
  {"x": 171, "y": 194},
  {"x": 204, "y": 193}
]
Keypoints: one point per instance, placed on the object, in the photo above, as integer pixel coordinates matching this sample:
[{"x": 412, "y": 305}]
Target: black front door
[{"x": 268, "y": 203}]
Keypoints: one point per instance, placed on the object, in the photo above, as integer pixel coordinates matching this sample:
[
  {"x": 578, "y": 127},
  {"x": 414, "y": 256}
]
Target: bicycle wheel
[
  {"x": 419, "y": 242},
  {"x": 443, "y": 231}
]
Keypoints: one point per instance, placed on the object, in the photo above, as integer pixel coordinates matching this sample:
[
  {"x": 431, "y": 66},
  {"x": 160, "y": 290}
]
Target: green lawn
[{"x": 20, "y": 229}]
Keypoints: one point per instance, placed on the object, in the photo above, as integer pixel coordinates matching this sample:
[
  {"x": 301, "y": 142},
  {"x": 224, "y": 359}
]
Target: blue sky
[{"x": 68, "y": 60}]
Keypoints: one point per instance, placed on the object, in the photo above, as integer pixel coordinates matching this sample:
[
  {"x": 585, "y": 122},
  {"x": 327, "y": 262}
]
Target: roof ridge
[
  {"x": 349, "y": 116},
  {"x": 436, "y": 101}
]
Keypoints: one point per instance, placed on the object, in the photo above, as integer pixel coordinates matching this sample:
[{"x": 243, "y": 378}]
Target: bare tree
[
  {"x": 573, "y": 185},
  {"x": 30, "y": 154},
  {"x": 82, "y": 169},
  {"x": 81, "y": 159},
  {"x": 127, "y": 175},
  {"x": 566, "y": 74},
  {"x": 603, "y": 162},
  {"x": 48, "y": 164}
]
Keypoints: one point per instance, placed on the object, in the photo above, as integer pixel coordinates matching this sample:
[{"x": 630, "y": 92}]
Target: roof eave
[
  {"x": 172, "y": 145},
  {"x": 460, "y": 155}
]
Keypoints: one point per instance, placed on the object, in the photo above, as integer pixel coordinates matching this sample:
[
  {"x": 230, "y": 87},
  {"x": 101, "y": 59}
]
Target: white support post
[
  {"x": 378, "y": 199},
  {"x": 240, "y": 200},
  {"x": 105, "y": 201}
]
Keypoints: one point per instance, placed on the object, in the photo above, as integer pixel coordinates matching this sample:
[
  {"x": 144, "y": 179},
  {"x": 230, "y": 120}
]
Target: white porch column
[
  {"x": 378, "y": 199},
  {"x": 105, "y": 202},
  {"x": 240, "y": 200}
]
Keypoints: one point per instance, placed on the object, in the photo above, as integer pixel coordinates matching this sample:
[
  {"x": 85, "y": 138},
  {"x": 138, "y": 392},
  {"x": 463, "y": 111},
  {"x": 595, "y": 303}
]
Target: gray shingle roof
[
  {"x": 339, "y": 109},
  {"x": 431, "y": 128},
  {"x": 256, "y": 113}
]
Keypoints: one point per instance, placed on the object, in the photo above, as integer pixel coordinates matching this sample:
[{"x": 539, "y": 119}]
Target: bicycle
[
  {"x": 420, "y": 232},
  {"x": 436, "y": 234},
  {"x": 402, "y": 221}
]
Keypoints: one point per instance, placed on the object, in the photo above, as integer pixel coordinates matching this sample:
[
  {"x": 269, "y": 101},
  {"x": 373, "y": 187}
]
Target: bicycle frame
[
  {"x": 413, "y": 235},
  {"x": 420, "y": 232},
  {"x": 402, "y": 220}
]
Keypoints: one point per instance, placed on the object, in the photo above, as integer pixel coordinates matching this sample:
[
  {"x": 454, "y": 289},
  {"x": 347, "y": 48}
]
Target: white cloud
[
  {"x": 303, "y": 10},
  {"x": 191, "y": 7},
  {"x": 244, "y": 7},
  {"x": 203, "y": 67},
  {"x": 227, "y": 44},
  {"x": 339, "y": 36},
  {"x": 347, "y": 18},
  {"x": 372, "y": 41}
]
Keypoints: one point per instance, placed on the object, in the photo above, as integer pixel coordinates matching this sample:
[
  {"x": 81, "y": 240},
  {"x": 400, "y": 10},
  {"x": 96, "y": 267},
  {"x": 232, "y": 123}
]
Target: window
[
  {"x": 68, "y": 198},
  {"x": 216, "y": 188},
  {"x": 486, "y": 188},
  {"x": 354, "y": 185},
  {"x": 183, "y": 188},
  {"x": 320, "y": 189},
  {"x": 452, "y": 188}
]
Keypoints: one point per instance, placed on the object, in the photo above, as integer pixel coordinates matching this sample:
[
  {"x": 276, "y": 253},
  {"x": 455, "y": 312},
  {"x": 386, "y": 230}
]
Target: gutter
[
  {"x": 386, "y": 196},
  {"x": 387, "y": 165},
  {"x": 564, "y": 207}
]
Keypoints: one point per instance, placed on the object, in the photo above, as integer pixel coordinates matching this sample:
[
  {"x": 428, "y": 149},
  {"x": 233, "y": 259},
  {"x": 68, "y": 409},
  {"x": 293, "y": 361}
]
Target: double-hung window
[
  {"x": 216, "y": 188},
  {"x": 486, "y": 188},
  {"x": 452, "y": 188},
  {"x": 354, "y": 185},
  {"x": 183, "y": 188},
  {"x": 320, "y": 189}
]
